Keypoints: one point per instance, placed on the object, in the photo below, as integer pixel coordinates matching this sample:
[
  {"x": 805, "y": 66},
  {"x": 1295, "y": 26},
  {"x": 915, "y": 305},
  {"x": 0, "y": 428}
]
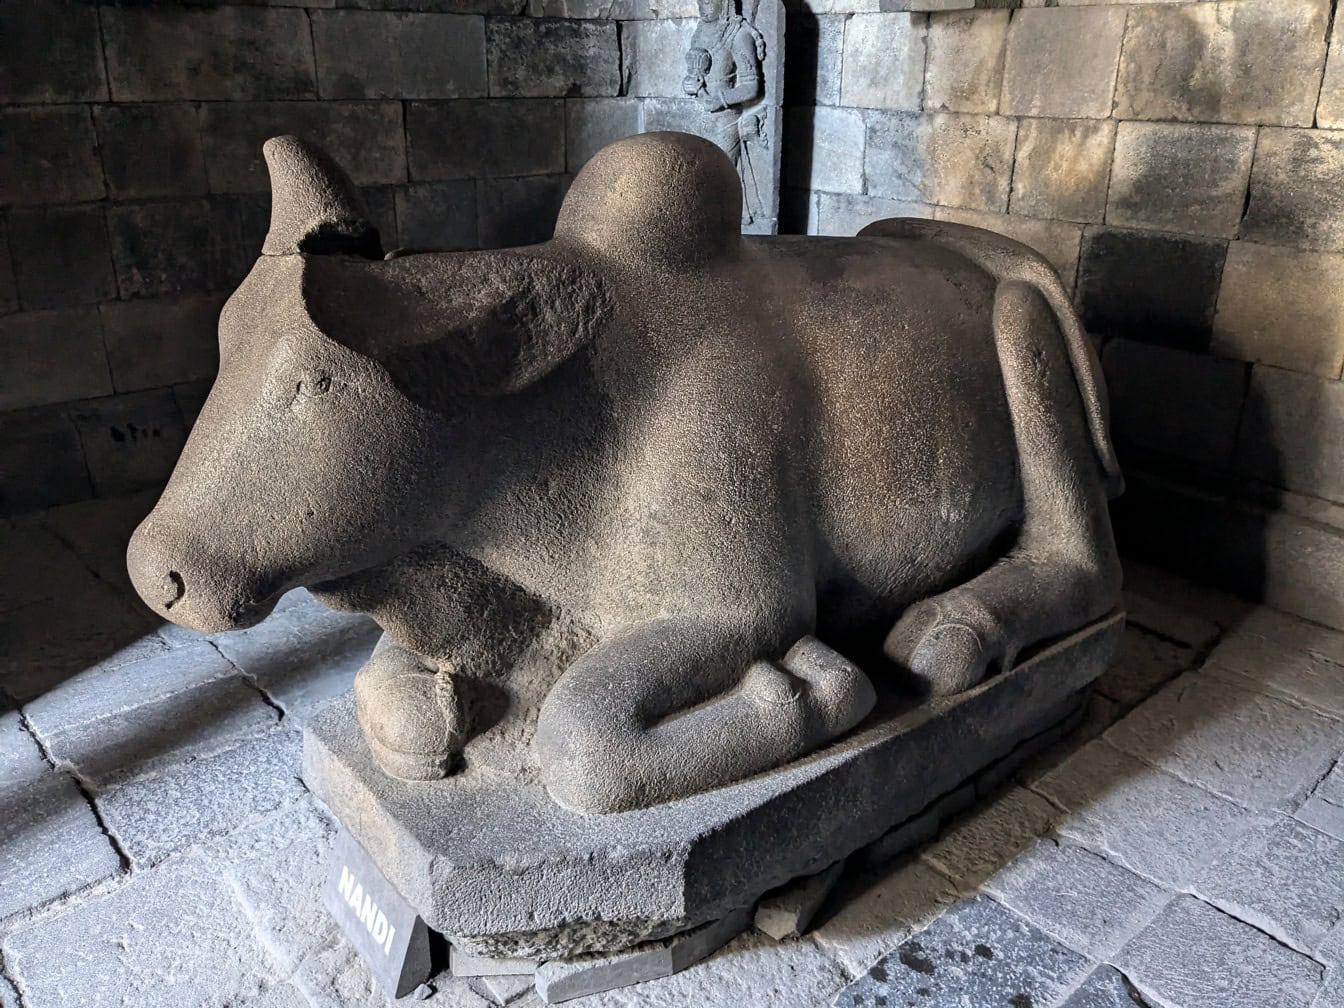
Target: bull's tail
[{"x": 1005, "y": 259}]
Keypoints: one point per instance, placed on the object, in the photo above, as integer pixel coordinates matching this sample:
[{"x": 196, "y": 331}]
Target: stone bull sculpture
[{"x": 714, "y": 452}]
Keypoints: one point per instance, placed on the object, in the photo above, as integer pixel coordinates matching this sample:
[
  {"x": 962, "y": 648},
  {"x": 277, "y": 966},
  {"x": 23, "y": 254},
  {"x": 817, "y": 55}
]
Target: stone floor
[{"x": 1184, "y": 848}]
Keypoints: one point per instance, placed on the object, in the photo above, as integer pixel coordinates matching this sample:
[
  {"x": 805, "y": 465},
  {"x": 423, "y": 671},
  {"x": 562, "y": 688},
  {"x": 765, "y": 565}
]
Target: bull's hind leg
[
  {"x": 675, "y": 706},
  {"x": 1063, "y": 571}
]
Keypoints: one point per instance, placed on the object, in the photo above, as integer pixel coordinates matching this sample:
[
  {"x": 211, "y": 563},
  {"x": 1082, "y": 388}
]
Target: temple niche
[{"x": 734, "y": 71}]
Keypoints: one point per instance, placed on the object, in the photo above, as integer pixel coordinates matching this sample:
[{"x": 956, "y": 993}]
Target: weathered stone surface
[
  {"x": 532, "y": 58},
  {"x": 945, "y": 158},
  {"x": 1106, "y": 987},
  {"x": 467, "y": 139},
  {"x": 1058, "y": 241},
  {"x": 162, "y": 341},
  {"x": 815, "y": 58},
  {"x": 1237, "y": 963},
  {"x": 51, "y": 357},
  {"x": 21, "y": 761},
  {"x": 1283, "y": 879},
  {"x": 965, "y": 62},
  {"x": 566, "y": 979},
  {"x": 440, "y": 873},
  {"x": 1289, "y": 631},
  {"x": 464, "y": 964},
  {"x": 1152, "y": 287},
  {"x": 1163, "y": 620},
  {"x": 883, "y": 64},
  {"x": 437, "y": 215},
  {"x": 64, "y": 258},
  {"x": 788, "y": 912},
  {"x": 369, "y": 54},
  {"x": 50, "y": 52},
  {"x": 1062, "y": 168},
  {"x": 130, "y": 441},
  {"x": 1212, "y": 45},
  {"x": 163, "y": 938},
  {"x": 977, "y": 953},
  {"x": 592, "y": 123},
  {"x": 1251, "y": 748},
  {"x": 1180, "y": 177},
  {"x": 1297, "y": 190},
  {"x": 208, "y": 54},
  {"x": 1061, "y": 63},
  {"x": 367, "y": 135},
  {"x": 163, "y": 248},
  {"x": 653, "y": 59},
  {"x": 1139, "y": 816},
  {"x": 1142, "y": 665},
  {"x": 503, "y": 990},
  {"x": 1282, "y": 307},
  {"x": 826, "y": 150},
  {"x": 679, "y": 114},
  {"x": 511, "y": 212},
  {"x": 1330, "y": 111},
  {"x": 1141, "y": 376},
  {"x": 849, "y": 213},
  {"x": 1324, "y": 816},
  {"x": 1294, "y": 673},
  {"x": 95, "y": 532},
  {"x": 50, "y": 844},
  {"x": 48, "y": 155},
  {"x": 1084, "y": 901},
  {"x": 978, "y": 845},
  {"x": 150, "y": 150}
]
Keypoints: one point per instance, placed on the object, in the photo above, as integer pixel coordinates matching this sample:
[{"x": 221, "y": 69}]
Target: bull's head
[{"x": 348, "y": 412}]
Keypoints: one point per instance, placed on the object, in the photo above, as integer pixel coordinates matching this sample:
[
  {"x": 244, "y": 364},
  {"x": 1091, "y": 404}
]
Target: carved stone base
[{"x": 504, "y": 871}]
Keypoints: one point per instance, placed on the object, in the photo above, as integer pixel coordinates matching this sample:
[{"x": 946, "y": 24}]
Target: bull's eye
[{"x": 314, "y": 385}]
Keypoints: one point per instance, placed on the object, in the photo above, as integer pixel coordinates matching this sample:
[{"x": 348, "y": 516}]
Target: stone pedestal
[{"x": 504, "y": 871}]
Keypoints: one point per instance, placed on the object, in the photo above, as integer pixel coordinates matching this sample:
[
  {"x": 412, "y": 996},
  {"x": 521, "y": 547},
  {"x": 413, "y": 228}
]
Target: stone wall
[{"x": 1182, "y": 165}]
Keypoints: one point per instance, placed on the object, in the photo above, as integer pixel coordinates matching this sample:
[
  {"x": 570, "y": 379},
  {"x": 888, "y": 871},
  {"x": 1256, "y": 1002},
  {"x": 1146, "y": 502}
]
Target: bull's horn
[{"x": 314, "y": 206}]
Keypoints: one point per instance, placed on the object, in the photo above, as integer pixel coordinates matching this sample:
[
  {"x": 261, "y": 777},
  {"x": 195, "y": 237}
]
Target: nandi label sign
[{"x": 384, "y": 929}]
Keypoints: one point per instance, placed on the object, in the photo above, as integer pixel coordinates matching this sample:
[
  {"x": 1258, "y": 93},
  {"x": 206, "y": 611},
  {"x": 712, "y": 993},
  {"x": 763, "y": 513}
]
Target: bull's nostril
[{"x": 173, "y": 589}]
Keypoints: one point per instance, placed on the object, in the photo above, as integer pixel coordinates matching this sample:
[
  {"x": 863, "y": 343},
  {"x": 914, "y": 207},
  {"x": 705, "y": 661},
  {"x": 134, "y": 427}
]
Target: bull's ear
[{"x": 315, "y": 208}]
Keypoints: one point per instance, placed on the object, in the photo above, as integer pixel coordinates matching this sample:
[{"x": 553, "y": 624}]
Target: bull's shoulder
[{"x": 667, "y": 199}]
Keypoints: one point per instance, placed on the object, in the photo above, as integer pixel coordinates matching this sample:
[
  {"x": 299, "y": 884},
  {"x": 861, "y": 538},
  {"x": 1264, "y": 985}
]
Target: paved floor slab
[
  {"x": 1107, "y": 987},
  {"x": 1293, "y": 671},
  {"x": 976, "y": 845},
  {"x": 1142, "y": 665}
]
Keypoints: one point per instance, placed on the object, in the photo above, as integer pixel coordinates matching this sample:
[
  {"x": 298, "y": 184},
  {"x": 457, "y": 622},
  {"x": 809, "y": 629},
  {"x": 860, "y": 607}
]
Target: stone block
[
  {"x": 464, "y": 964},
  {"x": 437, "y": 215},
  {"x": 565, "y": 979},
  {"x": 1274, "y": 627},
  {"x": 40, "y": 458},
  {"x": 943, "y": 158},
  {"x": 1140, "y": 817},
  {"x": 164, "y": 248},
  {"x": 1294, "y": 673},
  {"x": 192, "y": 804},
  {"x": 51, "y": 357},
  {"x": 375, "y": 54},
  {"x": 49, "y": 155},
  {"x": 814, "y": 47},
  {"x": 470, "y": 139},
  {"x": 1253, "y": 749},
  {"x": 518, "y": 211},
  {"x": 965, "y": 61},
  {"x": 131, "y": 441},
  {"x": 163, "y": 733},
  {"x": 1163, "y": 620},
  {"x": 544, "y": 58},
  {"x": 161, "y": 341},
  {"x": 1236, "y": 963},
  {"x": 1330, "y": 110},
  {"x": 96, "y": 533},
  {"x": 51, "y": 845},
  {"x": 208, "y": 54},
  {"x": 593, "y": 123},
  {"x": 825, "y": 149},
  {"x": 150, "y": 150},
  {"x": 1062, "y": 168},
  {"x": 21, "y": 761},
  {"x": 163, "y": 939},
  {"x": 1180, "y": 177},
  {"x": 1152, "y": 287},
  {"x": 978, "y": 845},
  {"x": 846, "y": 214},
  {"x": 51, "y": 52},
  {"x": 1058, "y": 241},
  {"x": 1106, "y": 987},
  {"x": 681, "y": 114},
  {"x": 39, "y": 567},
  {"x": 1143, "y": 664},
  {"x": 974, "y": 954},
  {"x": 365, "y": 137},
  {"x": 1282, "y": 307},
  {"x": 883, "y": 64},
  {"x": 787, "y": 823},
  {"x": 1324, "y": 816},
  {"x": 503, "y": 990},
  {"x": 238, "y": 226},
  {"x": 1145, "y": 379},
  {"x": 918, "y": 829},
  {"x": 788, "y": 912},
  {"x": 64, "y": 256},
  {"x": 1283, "y": 879},
  {"x": 1062, "y": 63},
  {"x": 653, "y": 56},
  {"x": 1297, "y": 190},
  {"x": 1089, "y": 904},
  {"x": 1291, "y": 432},
  {"x": 9, "y": 292},
  {"x": 1215, "y": 45}
]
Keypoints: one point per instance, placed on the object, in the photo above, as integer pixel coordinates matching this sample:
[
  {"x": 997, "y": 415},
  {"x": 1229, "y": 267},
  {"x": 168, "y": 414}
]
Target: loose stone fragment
[
  {"x": 788, "y": 912},
  {"x": 563, "y": 979},
  {"x": 502, "y": 990},
  {"x": 464, "y": 964}
]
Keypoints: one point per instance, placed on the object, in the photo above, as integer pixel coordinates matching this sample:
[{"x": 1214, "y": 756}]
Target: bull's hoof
[
  {"x": 946, "y": 649},
  {"x": 413, "y": 720},
  {"x": 838, "y": 694}
]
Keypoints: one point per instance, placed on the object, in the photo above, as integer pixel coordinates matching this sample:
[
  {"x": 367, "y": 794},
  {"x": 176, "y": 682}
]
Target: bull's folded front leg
[
  {"x": 411, "y": 713},
  {"x": 679, "y": 705}
]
